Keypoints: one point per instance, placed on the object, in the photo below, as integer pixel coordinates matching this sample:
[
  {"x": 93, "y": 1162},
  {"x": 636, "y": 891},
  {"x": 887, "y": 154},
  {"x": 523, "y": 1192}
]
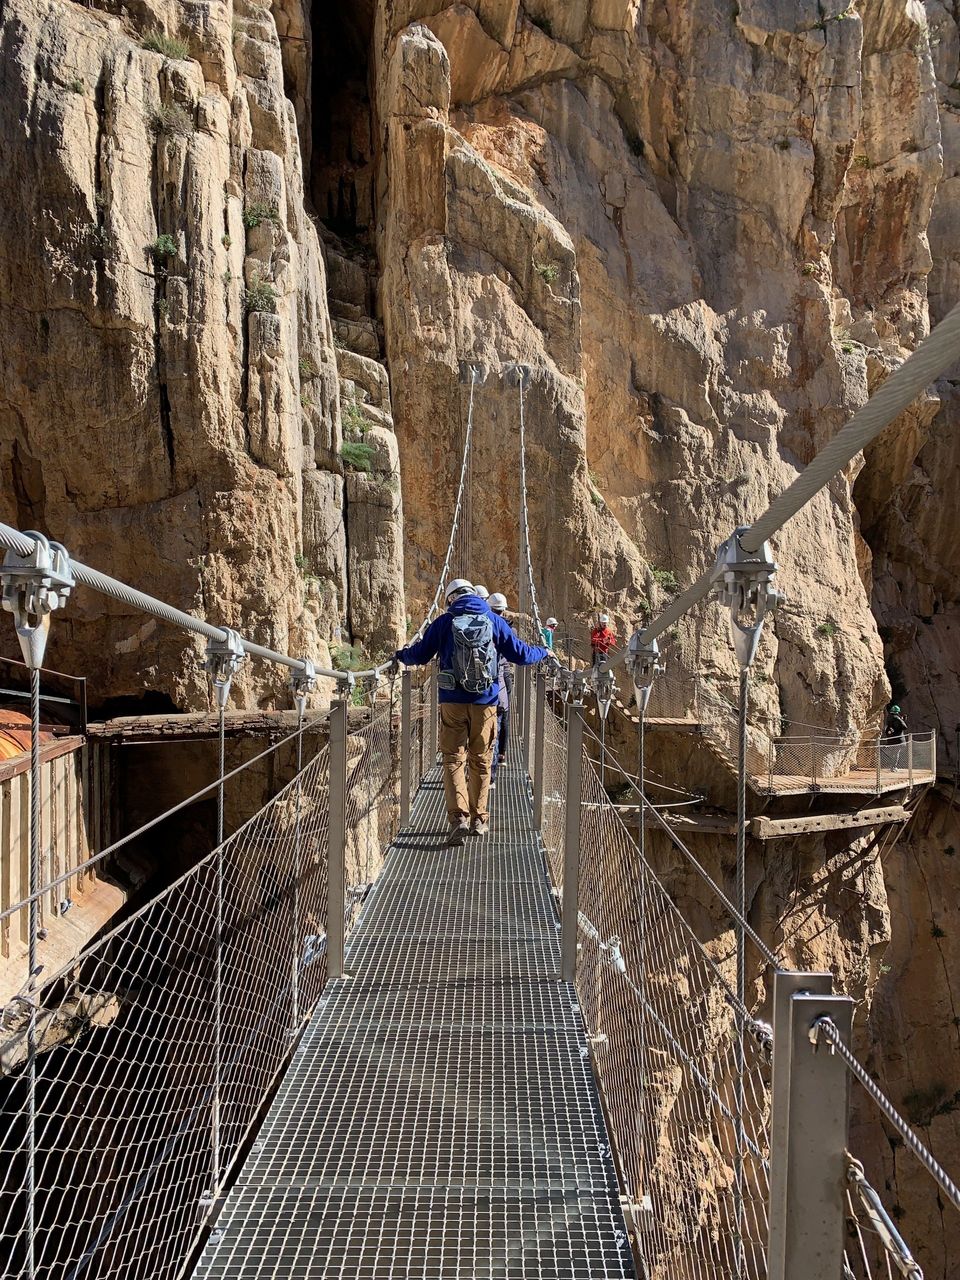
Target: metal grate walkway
[{"x": 439, "y": 1120}]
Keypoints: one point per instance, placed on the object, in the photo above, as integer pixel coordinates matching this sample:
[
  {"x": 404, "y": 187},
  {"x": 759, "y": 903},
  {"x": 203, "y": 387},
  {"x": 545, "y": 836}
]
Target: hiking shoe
[
  {"x": 479, "y": 828},
  {"x": 458, "y": 832}
]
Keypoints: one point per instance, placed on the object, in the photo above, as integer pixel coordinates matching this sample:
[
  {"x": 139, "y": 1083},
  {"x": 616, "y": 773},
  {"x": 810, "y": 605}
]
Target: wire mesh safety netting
[
  {"x": 686, "y": 1085},
  {"x": 128, "y": 1091}
]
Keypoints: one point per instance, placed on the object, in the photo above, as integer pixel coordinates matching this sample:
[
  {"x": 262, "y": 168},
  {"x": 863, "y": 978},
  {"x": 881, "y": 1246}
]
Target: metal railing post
[
  {"x": 337, "y": 838},
  {"x": 405, "y": 702},
  {"x": 539, "y": 748},
  {"x": 570, "y": 905},
  {"x": 910, "y": 759},
  {"x": 808, "y": 1132},
  {"x": 879, "y": 750},
  {"x": 533, "y": 711},
  {"x": 432, "y": 718}
]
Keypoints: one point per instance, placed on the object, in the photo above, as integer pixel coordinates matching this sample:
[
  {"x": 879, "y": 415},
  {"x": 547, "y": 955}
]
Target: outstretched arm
[
  {"x": 422, "y": 650},
  {"x": 513, "y": 648}
]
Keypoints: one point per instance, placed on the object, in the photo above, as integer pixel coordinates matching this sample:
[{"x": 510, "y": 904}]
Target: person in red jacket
[{"x": 603, "y": 638}]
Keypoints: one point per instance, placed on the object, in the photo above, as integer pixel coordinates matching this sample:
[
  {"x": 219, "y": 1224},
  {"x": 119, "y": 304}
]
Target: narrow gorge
[{"x": 246, "y": 250}]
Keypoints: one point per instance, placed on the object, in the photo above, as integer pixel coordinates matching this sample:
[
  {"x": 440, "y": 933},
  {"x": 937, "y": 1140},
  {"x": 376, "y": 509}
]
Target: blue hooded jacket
[{"x": 437, "y": 642}]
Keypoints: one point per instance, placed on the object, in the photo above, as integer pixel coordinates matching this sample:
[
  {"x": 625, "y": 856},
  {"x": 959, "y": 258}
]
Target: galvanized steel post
[
  {"x": 405, "y": 704},
  {"x": 539, "y": 749},
  {"x": 337, "y": 838},
  {"x": 808, "y": 1131},
  {"x": 570, "y": 905}
]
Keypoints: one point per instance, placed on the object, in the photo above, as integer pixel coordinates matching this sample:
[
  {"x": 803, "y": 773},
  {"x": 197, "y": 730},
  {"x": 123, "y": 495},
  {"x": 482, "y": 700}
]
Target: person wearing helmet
[
  {"x": 546, "y": 631},
  {"x": 481, "y": 591},
  {"x": 467, "y": 642},
  {"x": 603, "y": 638},
  {"x": 498, "y": 603},
  {"x": 895, "y": 731}
]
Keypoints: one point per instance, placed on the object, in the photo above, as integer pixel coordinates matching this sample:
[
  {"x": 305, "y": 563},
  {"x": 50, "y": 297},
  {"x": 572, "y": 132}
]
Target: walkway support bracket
[
  {"x": 337, "y": 838},
  {"x": 808, "y": 1131},
  {"x": 570, "y": 905}
]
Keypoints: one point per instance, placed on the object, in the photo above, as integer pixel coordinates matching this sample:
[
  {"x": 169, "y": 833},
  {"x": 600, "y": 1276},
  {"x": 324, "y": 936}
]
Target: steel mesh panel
[
  {"x": 447, "y": 1233},
  {"x": 668, "y": 1067},
  {"x": 159, "y": 1043}
]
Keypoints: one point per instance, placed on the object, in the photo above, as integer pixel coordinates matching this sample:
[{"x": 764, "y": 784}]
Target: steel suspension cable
[
  {"x": 525, "y": 516},
  {"x": 457, "y": 511},
  {"x": 828, "y": 1029}
]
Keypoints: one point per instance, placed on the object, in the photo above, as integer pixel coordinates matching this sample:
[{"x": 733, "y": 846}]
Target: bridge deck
[{"x": 439, "y": 1120}]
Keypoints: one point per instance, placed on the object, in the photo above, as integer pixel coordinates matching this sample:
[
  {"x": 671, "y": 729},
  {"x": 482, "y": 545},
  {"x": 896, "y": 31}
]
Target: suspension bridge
[{"x": 334, "y": 1048}]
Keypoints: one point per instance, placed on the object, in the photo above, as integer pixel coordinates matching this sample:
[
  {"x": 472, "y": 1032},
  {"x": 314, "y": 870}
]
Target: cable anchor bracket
[
  {"x": 743, "y": 582},
  {"x": 644, "y": 665},
  {"x": 604, "y": 689},
  {"x": 34, "y": 585},
  {"x": 224, "y": 659},
  {"x": 302, "y": 684}
]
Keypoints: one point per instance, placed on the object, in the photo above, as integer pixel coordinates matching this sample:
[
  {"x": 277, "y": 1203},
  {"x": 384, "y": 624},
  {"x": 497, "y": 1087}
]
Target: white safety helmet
[
  {"x": 458, "y": 587},
  {"x": 551, "y": 622},
  {"x": 498, "y": 602},
  {"x": 481, "y": 591},
  {"x": 604, "y": 618}
]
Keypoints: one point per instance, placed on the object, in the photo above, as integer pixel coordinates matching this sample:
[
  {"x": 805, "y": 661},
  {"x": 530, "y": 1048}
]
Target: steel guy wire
[
  {"x": 893, "y": 1242},
  {"x": 458, "y": 507},
  {"x": 737, "y": 920},
  {"x": 827, "y": 1028}
]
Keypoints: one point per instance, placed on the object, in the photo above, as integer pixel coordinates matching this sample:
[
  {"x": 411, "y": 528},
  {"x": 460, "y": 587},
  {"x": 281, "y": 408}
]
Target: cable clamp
[
  {"x": 643, "y": 663},
  {"x": 34, "y": 585},
  {"x": 302, "y": 684},
  {"x": 743, "y": 583},
  {"x": 223, "y": 660},
  {"x": 604, "y": 688}
]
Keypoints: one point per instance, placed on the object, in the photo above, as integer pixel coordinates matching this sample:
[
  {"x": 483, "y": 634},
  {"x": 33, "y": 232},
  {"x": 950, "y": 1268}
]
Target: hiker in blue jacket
[{"x": 467, "y": 641}]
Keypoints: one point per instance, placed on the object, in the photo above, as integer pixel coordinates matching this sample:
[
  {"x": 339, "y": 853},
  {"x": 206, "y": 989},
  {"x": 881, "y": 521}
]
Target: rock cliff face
[
  {"x": 240, "y": 279},
  {"x": 171, "y": 395}
]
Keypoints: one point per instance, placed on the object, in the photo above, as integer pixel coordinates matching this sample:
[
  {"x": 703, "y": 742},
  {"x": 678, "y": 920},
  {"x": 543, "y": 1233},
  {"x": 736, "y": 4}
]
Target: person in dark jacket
[
  {"x": 498, "y": 603},
  {"x": 895, "y": 730},
  {"x": 468, "y": 721}
]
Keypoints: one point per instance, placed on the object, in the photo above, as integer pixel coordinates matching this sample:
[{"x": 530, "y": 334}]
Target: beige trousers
[{"x": 467, "y": 733}]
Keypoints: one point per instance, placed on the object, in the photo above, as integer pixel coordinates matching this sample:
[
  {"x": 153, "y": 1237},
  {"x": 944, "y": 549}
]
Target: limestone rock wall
[{"x": 170, "y": 403}]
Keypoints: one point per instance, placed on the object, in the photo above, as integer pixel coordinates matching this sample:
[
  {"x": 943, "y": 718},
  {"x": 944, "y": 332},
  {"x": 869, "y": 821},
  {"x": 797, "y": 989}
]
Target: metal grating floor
[{"x": 439, "y": 1120}]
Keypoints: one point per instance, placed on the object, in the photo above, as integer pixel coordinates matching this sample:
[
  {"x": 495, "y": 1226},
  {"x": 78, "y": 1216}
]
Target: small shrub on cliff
[
  {"x": 666, "y": 580},
  {"x": 356, "y": 455},
  {"x": 171, "y": 120},
  {"x": 808, "y": 269},
  {"x": 355, "y": 422},
  {"x": 162, "y": 248},
  {"x": 76, "y": 86},
  {"x": 169, "y": 46},
  {"x": 547, "y": 272},
  {"x": 307, "y": 368},
  {"x": 348, "y": 657},
  {"x": 862, "y": 162},
  {"x": 257, "y": 213},
  {"x": 827, "y": 629},
  {"x": 260, "y": 296},
  {"x": 782, "y": 144}
]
